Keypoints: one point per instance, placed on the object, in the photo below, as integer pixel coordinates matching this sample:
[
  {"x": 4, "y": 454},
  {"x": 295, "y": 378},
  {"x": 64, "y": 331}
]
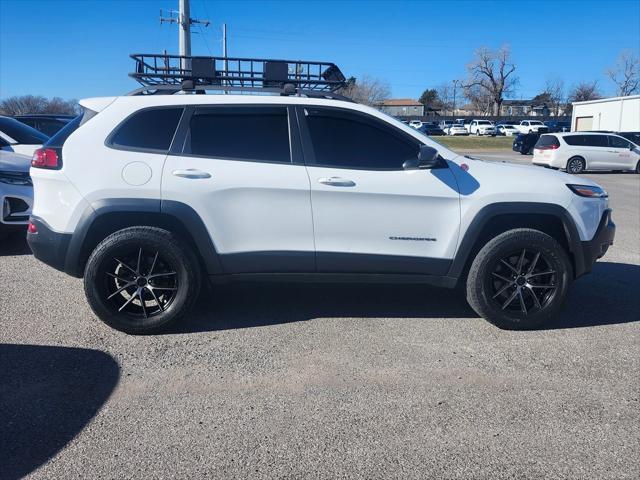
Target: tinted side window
[
  {"x": 343, "y": 139},
  {"x": 596, "y": 141},
  {"x": 617, "y": 142},
  {"x": 20, "y": 132},
  {"x": 150, "y": 129},
  {"x": 574, "y": 139},
  {"x": 242, "y": 133}
]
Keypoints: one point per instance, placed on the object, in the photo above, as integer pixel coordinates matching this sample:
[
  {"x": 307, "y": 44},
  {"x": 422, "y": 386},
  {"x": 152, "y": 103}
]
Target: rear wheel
[
  {"x": 519, "y": 280},
  {"x": 638, "y": 167},
  {"x": 575, "y": 165},
  {"x": 140, "y": 280}
]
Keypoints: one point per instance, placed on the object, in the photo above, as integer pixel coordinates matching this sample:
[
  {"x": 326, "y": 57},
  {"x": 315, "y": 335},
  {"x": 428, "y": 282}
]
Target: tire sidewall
[{"x": 575, "y": 159}]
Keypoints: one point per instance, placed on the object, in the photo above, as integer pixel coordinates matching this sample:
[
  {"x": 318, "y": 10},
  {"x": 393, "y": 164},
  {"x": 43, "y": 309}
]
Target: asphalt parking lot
[{"x": 325, "y": 381}]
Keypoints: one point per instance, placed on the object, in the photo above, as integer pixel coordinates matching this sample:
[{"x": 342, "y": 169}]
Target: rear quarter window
[{"x": 147, "y": 130}]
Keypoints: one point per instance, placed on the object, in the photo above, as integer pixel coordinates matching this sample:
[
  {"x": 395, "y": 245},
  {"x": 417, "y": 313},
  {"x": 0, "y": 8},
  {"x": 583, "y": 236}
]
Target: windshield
[
  {"x": 484, "y": 122},
  {"x": 536, "y": 122},
  {"x": 21, "y": 133}
]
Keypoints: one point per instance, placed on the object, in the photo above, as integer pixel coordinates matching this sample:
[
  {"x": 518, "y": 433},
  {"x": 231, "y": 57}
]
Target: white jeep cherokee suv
[{"x": 152, "y": 193}]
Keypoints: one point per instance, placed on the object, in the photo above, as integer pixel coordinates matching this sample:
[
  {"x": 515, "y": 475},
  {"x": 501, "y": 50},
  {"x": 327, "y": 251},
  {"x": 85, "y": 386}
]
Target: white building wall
[{"x": 618, "y": 114}]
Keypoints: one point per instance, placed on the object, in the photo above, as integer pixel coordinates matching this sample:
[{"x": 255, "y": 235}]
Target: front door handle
[
  {"x": 337, "y": 182},
  {"x": 191, "y": 173}
]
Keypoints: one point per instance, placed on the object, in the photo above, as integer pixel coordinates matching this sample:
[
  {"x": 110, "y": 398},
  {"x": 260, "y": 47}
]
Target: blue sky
[{"x": 76, "y": 49}]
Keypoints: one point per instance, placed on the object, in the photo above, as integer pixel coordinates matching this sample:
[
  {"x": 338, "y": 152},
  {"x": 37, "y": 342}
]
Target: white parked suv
[
  {"x": 481, "y": 127},
  {"x": 579, "y": 151},
  {"x": 531, "y": 126},
  {"x": 153, "y": 193}
]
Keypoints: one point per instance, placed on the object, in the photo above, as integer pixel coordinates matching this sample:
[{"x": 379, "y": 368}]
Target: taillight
[
  {"x": 32, "y": 228},
  {"x": 46, "y": 158},
  {"x": 547, "y": 147}
]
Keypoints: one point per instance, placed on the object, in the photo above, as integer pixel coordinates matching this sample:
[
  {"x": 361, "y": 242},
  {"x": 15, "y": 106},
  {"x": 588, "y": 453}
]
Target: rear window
[
  {"x": 147, "y": 130},
  {"x": 546, "y": 141},
  {"x": 586, "y": 140},
  {"x": 241, "y": 133},
  {"x": 61, "y": 136},
  {"x": 21, "y": 133}
]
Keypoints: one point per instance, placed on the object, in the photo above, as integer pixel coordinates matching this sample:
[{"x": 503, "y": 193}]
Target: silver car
[{"x": 16, "y": 192}]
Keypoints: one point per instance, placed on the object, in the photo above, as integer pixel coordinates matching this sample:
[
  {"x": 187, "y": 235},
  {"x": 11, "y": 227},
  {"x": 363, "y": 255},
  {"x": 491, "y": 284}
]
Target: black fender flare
[
  {"x": 171, "y": 212},
  {"x": 488, "y": 212}
]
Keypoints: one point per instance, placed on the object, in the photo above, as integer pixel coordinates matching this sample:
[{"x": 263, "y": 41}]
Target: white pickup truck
[{"x": 531, "y": 126}]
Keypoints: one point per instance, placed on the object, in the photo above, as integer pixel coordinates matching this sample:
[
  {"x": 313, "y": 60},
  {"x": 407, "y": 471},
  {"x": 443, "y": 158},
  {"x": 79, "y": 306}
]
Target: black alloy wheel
[{"x": 523, "y": 282}]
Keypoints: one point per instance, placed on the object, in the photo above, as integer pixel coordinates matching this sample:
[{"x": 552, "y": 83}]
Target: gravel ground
[{"x": 325, "y": 381}]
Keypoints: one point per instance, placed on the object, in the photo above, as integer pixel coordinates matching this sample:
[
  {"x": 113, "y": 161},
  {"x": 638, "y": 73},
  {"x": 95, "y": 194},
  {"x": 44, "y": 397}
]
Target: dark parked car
[
  {"x": 556, "y": 126},
  {"x": 631, "y": 136},
  {"x": 431, "y": 130},
  {"x": 524, "y": 142},
  {"x": 46, "y": 123}
]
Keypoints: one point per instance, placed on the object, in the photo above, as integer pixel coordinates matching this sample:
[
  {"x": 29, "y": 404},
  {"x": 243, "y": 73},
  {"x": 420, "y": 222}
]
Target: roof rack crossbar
[
  {"x": 170, "y": 89},
  {"x": 259, "y": 73}
]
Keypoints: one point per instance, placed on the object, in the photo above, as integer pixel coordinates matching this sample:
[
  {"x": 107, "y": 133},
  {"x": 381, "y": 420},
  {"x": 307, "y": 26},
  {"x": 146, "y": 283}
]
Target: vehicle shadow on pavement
[
  {"x": 47, "y": 396},
  {"x": 15, "y": 244},
  {"x": 602, "y": 298},
  {"x": 245, "y": 305},
  {"x": 607, "y": 296}
]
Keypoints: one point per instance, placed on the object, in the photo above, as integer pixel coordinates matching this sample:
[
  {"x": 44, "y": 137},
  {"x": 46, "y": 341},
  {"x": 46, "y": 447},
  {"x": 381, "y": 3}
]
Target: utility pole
[
  {"x": 455, "y": 86},
  {"x": 183, "y": 19},
  {"x": 224, "y": 47}
]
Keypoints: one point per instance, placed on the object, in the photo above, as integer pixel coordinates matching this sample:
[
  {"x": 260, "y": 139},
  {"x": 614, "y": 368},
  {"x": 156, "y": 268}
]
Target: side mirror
[
  {"x": 428, "y": 157},
  {"x": 632, "y": 147}
]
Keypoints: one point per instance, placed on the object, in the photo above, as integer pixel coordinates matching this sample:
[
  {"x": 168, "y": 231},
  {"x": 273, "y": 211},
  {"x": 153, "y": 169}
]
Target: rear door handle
[
  {"x": 337, "y": 182},
  {"x": 191, "y": 173}
]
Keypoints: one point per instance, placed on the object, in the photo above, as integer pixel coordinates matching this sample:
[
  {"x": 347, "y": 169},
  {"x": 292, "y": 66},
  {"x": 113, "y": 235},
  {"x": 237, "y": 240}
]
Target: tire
[
  {"x": 638, "y": 167},
  {"x": 519, "y": 301},
  {"x": 141, "y": 263},
  {"x": 575, "y": 165}
]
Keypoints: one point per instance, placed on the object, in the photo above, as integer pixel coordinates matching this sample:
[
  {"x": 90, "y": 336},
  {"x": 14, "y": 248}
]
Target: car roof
[{"x": 564, "y": 134}]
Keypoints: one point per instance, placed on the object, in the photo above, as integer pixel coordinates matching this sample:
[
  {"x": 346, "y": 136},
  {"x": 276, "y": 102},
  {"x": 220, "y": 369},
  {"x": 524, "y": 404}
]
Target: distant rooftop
[{"x": 400, "y": 102}]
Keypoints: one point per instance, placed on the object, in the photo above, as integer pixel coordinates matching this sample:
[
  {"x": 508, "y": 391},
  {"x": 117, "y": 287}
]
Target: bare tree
[
  {"x": 493, "y": 73},
  {"x": 30, "y": 104},
  {"x": 554, "y": 88},
  {"x": 584, "y": 91},
  {"x": 366, "y": 90},
  {"x": 445, "y": 95},
  {"x": 625, "y": 73},
  {"x": 481, "y": 100},
  {"x": 23, "y": 105}
]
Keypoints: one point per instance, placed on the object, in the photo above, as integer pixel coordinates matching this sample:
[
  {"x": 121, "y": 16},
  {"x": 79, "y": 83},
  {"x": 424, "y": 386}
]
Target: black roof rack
[{"x": 163, "y": 73}]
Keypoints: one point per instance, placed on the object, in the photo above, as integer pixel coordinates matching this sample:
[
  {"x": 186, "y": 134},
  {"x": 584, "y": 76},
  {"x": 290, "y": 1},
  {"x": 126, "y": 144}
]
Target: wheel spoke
[
  {"x": 129, "y": 284},
  {"x": 533, "y": 263},
  {"x": 173, "y": 289},
  {"x": 523, "y": 307},
  {"x": 504, "y": 279},
  {"x": 535, "y": 297},
  {"x": 155, "y": 298},
  {"x": 153, "y": 264},
  {"x": 155, "y": 275},
  {"x": 539, "y": 274},
  {"x": 542, "y": 286},
  {"x": 510, "y": 299},
  {"x": 144, "y": 307},
  {"x": 139, "y": 258},
  {"x": 126, "y": 266},
  {"x": 502, "y": 290},
  {"x": 117, "y": 277},
  {"x": 128, "y": 301},
  {"x": 510, "y": 266},
  {"x": 521, "y": 260}
]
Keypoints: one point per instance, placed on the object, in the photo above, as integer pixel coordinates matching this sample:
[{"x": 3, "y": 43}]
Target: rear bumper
[
  {"x": 595, "y": 248},
  {"x": 49, "y": 246}
]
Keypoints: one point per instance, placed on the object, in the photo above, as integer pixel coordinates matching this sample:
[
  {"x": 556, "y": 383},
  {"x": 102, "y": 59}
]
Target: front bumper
[{"x": 595, "y": 248}]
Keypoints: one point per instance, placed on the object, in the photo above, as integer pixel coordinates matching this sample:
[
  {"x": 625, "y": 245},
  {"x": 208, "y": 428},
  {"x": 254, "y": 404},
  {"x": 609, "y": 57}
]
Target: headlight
[
  {"x": 588, "y": 191},
  {"x": 15, "y": 178}
]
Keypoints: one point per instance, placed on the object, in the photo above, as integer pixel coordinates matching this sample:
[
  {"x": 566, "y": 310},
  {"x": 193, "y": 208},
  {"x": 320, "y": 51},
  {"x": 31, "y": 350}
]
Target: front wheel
[
  {"x": 519, "y": 280},
  {"x": 140, "y": 280}
]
